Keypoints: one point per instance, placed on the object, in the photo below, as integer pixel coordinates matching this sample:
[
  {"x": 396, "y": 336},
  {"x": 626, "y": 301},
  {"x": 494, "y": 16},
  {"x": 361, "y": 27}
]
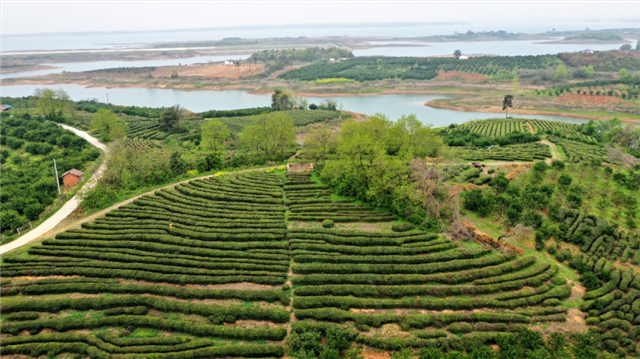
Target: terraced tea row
[
  {"x": 606, "y": 252},
  {"x": 203, "y": 262},
  {"x": 373, "y": 280},
  {"x": 521, "y": 152},
  {"x": 499, "y": 127},
  {"x": 145, "y": 128},
  {"x": 310, "y": 201},
  {"x": 579, "y": 151}
]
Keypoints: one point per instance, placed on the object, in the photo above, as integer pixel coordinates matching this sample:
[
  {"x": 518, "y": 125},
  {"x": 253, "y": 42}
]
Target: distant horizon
[
  {"x": 308, "y": 26},
  {"x": 52, "y": 17}
]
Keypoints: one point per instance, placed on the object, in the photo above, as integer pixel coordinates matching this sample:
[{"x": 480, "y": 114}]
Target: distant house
[
  {"x": 463, "y": 57},
  {"x": 72, "y": 177},
  {"x": 588, "y": 51},
  {"x": 299, "y": 167},
  {"x": 5, "y": 108},
  {"x": 331, "y": 59},
  {"x": 228, "y": 62}
]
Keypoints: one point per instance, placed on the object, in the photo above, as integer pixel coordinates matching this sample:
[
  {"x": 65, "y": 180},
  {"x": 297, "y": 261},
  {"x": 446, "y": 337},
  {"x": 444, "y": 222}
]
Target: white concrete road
[{"x": 68, "y": 207}]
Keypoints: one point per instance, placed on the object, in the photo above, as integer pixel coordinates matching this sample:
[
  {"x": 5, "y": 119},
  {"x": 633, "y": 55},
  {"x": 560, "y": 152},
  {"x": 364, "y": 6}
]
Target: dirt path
[
  {"x": 554, "y": 151},
  {"x": 533, "y": 132},
  {"x": 68, "y": 207},
  {"x": 55, "y": 229}
]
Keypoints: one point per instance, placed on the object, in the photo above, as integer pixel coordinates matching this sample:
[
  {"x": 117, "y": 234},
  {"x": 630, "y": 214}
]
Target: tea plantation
[{"x": 231, "y": 265}]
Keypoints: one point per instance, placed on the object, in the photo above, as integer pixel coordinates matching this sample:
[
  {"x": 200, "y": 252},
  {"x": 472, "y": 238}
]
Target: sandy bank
[
  {"x": 583, "y": 42},
  {"x": 27, "y": 68}
]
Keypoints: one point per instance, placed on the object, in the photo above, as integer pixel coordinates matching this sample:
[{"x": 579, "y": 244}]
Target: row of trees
[{"x": 629, "y": 47}]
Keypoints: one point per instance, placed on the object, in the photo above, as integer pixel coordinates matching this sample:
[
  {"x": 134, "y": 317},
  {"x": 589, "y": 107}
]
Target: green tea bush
[
  {"x": 402, "y": 227},
  {"x": 327, "y": 223}
]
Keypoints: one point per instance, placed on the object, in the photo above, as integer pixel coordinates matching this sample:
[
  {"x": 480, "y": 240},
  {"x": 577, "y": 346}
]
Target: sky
[{"x": 28, "y": 17}]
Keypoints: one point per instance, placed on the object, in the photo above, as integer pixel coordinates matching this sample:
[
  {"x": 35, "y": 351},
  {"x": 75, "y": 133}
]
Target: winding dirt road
[{"x": 68, "y": 207}]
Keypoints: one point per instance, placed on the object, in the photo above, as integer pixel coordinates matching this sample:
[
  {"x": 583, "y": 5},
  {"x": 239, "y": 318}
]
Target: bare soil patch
[
  {"x": 370, "y": 353},
  {"x": 577, "y": 291},
  {"x": 575, "y": 324},
  {"x": 211, "y": 71},
  {"x": 590, "y": 99},
  {"x": 460, "y": 76},
  {"x": 517, "y": 171},
  {"x": 286, "y": 69},
  {"x": 254, "y": 324},
  {"x": 364, "y": 226}
]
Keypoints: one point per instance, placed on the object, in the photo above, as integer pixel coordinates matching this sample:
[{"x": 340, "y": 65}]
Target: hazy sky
[{"x": 24, "y": 17}]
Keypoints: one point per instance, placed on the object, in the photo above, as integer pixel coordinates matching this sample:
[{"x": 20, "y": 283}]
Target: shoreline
[
  {"x": 30, "y": 68},
  {"x": 256, "y": 90},
  {"x": 251, "y": 88},
  {"x": 584, "y": 42},
  {"x": 493, "y": 109}
]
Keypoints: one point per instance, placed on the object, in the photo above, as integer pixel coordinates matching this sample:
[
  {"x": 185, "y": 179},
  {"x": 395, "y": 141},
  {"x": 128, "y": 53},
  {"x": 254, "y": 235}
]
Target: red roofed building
[{"x": 72, "y": 177}]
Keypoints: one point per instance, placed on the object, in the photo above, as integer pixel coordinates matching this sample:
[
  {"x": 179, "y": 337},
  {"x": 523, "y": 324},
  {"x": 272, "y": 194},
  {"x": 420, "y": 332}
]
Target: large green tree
[
  {"x": 214, "y": 133},
  {"x": 282, "y": 100},
  {"x": 319, "y": 143},
  {"x": 561, "y": 74},
  {"x": 171, "y": 118},
  {"x": 52, "y": 103},
  {"x": 109, "y": 126},
  {"x": 269, "y": 135},
  {"x": 372, "y": 159},
  {"x": 507, "y": 102}
]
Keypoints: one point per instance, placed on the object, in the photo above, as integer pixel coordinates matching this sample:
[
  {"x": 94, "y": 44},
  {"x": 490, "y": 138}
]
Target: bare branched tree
[{"x": 429, "y": 185}]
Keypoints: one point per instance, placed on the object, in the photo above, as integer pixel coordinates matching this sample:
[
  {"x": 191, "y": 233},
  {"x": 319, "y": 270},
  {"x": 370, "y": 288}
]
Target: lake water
[
  {"x": 137, "y": 39},
  {"x": 97, "y": 65},
  {"x": 392, "y": 106},
  {"x": 502, "y": 48}
]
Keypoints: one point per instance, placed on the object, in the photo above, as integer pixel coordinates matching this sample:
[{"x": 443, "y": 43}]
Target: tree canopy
[
  {"x": 109, "y": 126},
  {"x": 507, "y": 102},
  {"x": 214, "y": 133},
  {"x": 52, "y": 103},
  {"x": 269, "y": 135},
  {"x": 171, "y": 118},
  {"x": 282, "y": 100},
  {"x": 371, "y": 161}
]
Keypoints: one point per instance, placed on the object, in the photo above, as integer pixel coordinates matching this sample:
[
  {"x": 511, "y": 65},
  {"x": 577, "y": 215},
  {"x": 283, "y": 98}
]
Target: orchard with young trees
[{"x": 28, "y": 146}]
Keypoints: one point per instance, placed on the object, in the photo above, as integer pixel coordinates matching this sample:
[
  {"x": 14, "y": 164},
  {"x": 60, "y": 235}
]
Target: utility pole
[{"x": 57, "y": 179}]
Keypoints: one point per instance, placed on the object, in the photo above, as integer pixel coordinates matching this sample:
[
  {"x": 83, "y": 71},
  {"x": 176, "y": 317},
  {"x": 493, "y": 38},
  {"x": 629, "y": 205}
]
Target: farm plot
[
  {"x": 191, "y": 272},
  {"x": 426, "y": 287},
  {"x": 494, "y": 127},
  {"x": 520, "y": 152},
  {"x": 606, "y": 252},
  {"x": 579, "y": 151},
  {"x": 559, "y": 128},
  {"x": 309, "y": 201},
  {"x": 499, "y": 127},
  {"x": 145, "y": 128},
  {"x": 141, "y": 143},
  {"x": 300, "y": 118}
]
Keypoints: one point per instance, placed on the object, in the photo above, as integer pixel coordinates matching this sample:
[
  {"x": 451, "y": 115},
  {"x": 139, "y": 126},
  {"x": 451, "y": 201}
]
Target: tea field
[{"x": 229, "y": 265}]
